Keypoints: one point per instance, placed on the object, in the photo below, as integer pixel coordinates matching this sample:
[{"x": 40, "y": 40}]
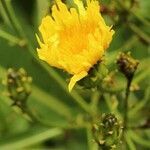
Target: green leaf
[
  {"x": 3, "y": 14},
  {"x": 138, "y": 139},
  {"x": 53, "y": 103},
  {"x": 23, "y": 141},
  {"x": 140, "y": 104},
  {"x": 129, "y": 141}
]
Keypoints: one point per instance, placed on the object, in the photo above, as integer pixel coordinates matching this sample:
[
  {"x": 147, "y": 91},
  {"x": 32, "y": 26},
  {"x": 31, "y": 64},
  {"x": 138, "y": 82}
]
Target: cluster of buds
[
  {"x": 95, "y": 76},
  {"x": 127, "y": 65},
  {"x": 19, "y": 86},
  {"x": 108, "y": 132}
]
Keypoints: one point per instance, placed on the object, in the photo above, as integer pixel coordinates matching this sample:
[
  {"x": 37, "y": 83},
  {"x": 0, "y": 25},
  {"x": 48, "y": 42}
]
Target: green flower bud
[
  {"x": 95, "y": 76},
  {"x": 18, "y": 86},
  {"x": 109, "y": 121},
  {"x": 108, "y": 132}
]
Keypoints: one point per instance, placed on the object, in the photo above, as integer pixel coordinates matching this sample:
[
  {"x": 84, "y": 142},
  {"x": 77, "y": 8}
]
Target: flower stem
[
  {"x": 140, "y": 33},
  {"x": 129, "y": 80},
  {"x": 126, "y": 103},
  {"x": 94, "y": 102},
  {"x": 9, "y": 37},
  {"x": 11, "y": 16},
  {"x": 132, "y": 11},
  {"x": 92, "y": 145}
]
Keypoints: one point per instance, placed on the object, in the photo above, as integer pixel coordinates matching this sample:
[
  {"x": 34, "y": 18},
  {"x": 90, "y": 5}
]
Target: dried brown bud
[{"x": 127, "y": 65}]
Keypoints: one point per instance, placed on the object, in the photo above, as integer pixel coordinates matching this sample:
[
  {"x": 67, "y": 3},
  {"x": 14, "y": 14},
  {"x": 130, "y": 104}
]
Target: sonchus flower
[{"x": 74, "y": 40}]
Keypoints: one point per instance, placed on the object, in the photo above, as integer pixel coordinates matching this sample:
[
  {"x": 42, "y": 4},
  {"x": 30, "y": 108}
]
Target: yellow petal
[
  {"x": 74, "y": 40},
  {"x": 76, "y": 78},
  {"x": 81, "y": 8}
]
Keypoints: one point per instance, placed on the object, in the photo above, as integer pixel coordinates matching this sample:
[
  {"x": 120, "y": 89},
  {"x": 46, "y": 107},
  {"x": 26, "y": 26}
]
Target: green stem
[
  {"x": 139, "y": 17},
  {"x": 52, "y": 102},
  {"x": 5, "y": 6},
  {"x": 109, "y": 105},
  {"x": 139, "y": 139},
  {"x": 11, "y": 38},
  {"x": 11, "y": 16},
  {"x": 129, "y": 80},
  {"x": 31, "y": 139},
  {"x": 140, "y": 33},
  {"x": 130, "y": 142},
  {"x": 4, "y": 15},
  {"x": 126, "y": 103},
  {"x": 94, "y": 102},
  {"x": 141, "y": 104},
  {"x": 90, "y": 139},
  {"x": 33, "y": 118}
]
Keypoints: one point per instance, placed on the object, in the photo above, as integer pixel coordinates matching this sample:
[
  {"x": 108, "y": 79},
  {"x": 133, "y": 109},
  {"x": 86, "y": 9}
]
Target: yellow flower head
[{"x": 74, "y": 40}]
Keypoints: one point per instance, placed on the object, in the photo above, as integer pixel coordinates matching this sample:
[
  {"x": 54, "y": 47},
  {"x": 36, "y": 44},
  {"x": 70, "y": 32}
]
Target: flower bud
[
  {"x": 95, "y": 76},
  {"x": 107, "y": 132},
  {"x": 127, "y": 65},
  {"x": 18, "y": 86}
]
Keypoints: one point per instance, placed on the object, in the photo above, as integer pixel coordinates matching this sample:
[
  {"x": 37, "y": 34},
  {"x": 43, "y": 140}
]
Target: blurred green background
[{"x": 50, "y": 100}]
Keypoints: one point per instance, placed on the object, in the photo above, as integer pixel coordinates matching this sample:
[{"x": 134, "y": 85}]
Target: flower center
[{"x": 74, "y": 38}]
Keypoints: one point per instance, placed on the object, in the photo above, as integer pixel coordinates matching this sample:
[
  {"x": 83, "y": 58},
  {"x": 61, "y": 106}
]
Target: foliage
[{"x": 57, "y": 119}]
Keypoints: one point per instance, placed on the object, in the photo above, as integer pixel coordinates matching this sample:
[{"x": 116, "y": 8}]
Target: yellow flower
[{"x": 74, "y": 40}]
